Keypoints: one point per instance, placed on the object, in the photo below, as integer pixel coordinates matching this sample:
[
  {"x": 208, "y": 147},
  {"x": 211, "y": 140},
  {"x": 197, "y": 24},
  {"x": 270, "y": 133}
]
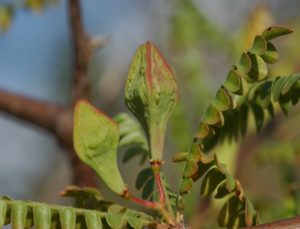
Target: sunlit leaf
[
  {"x": 96, "y": 139},
  {"x": 67, "y": 218},
  {"x": 259, "y": 46},
  {"x": 233, "y": 82},
  {"x": 275, "y": 31},
  {"x": 259, "y": 69},
  {"x": 223, "y": 100},
  {"x": 271, "y": 54},
  {"x": 42, "y": 217},
  {"x": 18, "y": 215},
  {"x": 289, "y": 83},
  {"x": 277, "y": 86},
  {"x": 93, "y": 221},
  {"x": 244, "y": 64},
  {"x": 115, "y": 221},
  {"x": 213, "y": 116}
]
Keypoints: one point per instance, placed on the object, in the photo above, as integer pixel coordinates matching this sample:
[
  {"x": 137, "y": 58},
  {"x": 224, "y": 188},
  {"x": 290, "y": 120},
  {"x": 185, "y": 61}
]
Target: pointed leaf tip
[
  {"x": 275, "y": 31},
  {"x": 151, "y": 94},
  {"x": 96, "y": 139}
]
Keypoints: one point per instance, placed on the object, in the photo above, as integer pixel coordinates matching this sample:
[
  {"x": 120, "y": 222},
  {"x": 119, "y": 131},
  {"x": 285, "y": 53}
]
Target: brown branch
[
  {"x": 280, "y": 224},
  {"x": 82, "y": 53},
  {"x": 54, "y": 118}
]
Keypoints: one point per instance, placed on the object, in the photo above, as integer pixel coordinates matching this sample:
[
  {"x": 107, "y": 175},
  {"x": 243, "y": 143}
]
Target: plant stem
[
  {"x": 145, "y": 203},
  {"x": 161, "y": 191},
  {"x": 166, "y": 209}
]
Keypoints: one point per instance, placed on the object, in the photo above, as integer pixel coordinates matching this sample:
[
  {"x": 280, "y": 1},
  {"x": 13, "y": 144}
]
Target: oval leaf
[
  {"x": 96, "y": 140},
  {"x": 259, "y": 46},
  {"x": 135, "y": 222},
  {"x": 42, "y": 216},
  {"x": 151, "y": 95},
  {"x": 213, "y": 116},
  {"x": 212, "y": 179},
  {"x": 271, "y": 55},
  {"x": 115, "y": 220},
  {"x": 67, "y": 218},
  {"x": 223, "y": 100},
  {"x": 93, "y": 220},
  {"x": 259, "y": 68},
  {"x": 18, "y": 215},
  {"x": 275, "y": 31}
]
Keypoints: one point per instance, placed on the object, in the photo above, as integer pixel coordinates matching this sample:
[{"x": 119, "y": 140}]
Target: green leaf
[
  {"x": 203, "y": 167},
  {"x": 96, "y": 140},
  {"x": 135, "y": 223},
  {"x": 213, "y": 116},
  {"x": 233, "y": 82},
  {"x": 18, "y": 215},
  {"x": 212, "y": 179},
  {"x": 148, "y": 188},
  {"x": 143, "y": 177},
  {"x": 285, "y": 104},
  {"x": 92, "y": 219},
  {"x": 42, "y": 216},
  {"x": 277, "y": 86},
  {"x": 229, "y": 211},
  {"x": 259, "y": 116},
  {"x": 223, "y": 100},
  {"x": 222, "y": 190},
  {"x": 186, "y": 185},
  {"x": 230, "y": 182},
  {"x": 190, "y": 168},
  {"x": 205, "y": 131},
  {"x": 259, "y": 46},
  {"x": 180, "y": 157},
  {"x": 151, "y": 95},
  {"x": 3, "y": 208},
  {"x": 289, "y": 83},
  {"x": 115, "y": 221},
  {"x": 264, "y": 97},
  {"x": 271, "y": 55},
  {"x": 275, "y": 31},
  {"x": 67, "y": 218},
  {"x": 259, "y": 70},
  {"x": 244, "y": 64},
  {"x": 249, "y": 212}
]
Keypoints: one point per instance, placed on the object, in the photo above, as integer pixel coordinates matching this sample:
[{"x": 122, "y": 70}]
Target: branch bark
[
  {"x": 54, "y": 118},
  {"x": 82, "y": 53}
]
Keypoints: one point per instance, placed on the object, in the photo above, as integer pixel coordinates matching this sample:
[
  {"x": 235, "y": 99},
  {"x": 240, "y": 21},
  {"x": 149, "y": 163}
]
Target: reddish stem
[
  {"x": 156, "y": 166},
  {"x": 160, "y": 188},
  {"x": 146, "y": 203}
]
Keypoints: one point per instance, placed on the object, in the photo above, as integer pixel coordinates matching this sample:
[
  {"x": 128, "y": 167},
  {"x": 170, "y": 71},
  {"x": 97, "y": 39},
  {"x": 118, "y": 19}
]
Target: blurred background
[{"x": 199, "y": 39}]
